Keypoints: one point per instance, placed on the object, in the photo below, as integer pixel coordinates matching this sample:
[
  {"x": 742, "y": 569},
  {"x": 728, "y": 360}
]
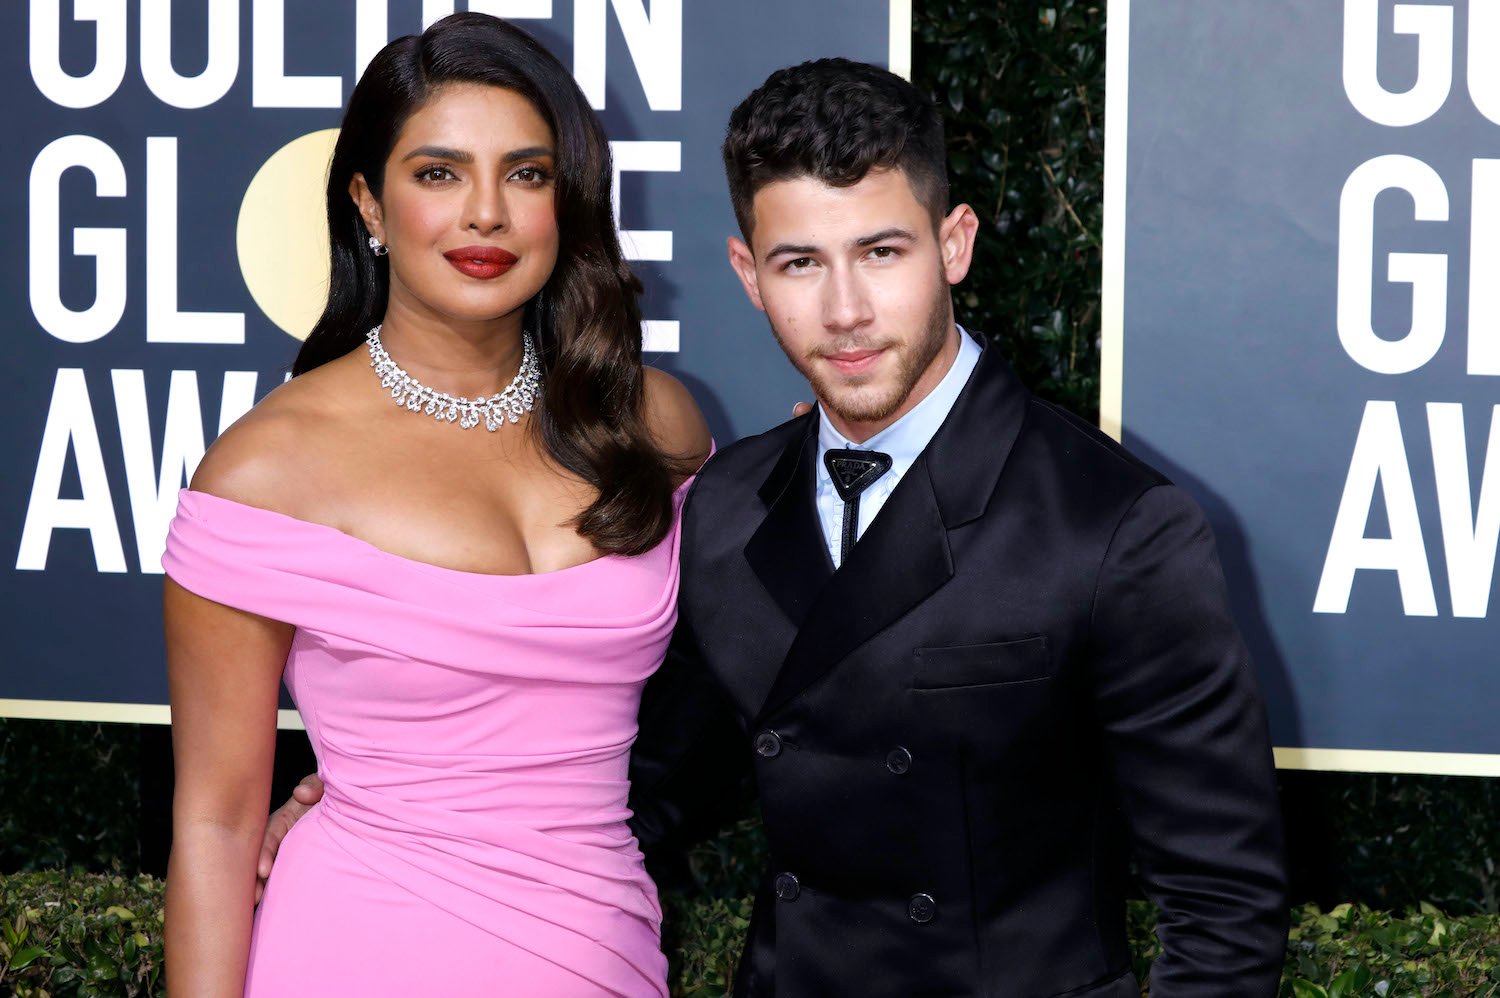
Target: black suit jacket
[{"x": 1025, "y": 671}]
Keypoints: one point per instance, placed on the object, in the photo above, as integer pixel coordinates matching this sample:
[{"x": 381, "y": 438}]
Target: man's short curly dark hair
[{"x": 834, "y": 120}]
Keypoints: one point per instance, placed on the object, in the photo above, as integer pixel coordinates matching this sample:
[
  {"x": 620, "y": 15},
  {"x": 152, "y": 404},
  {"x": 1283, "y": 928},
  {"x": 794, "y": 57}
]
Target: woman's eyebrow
[
  {"x": 530, "y": 152},
  {"x": 439, "y": 152},
  {"x": 460, "y": 156}
]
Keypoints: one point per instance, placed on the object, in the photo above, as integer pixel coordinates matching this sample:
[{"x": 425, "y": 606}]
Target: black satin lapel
[
  {"x": 788, "y": 551},
  {"x": 969, "y": 451},
  {"x": 896, "y": 564}
]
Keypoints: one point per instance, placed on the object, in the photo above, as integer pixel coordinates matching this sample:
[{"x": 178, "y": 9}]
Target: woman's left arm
[{"x": 224, "y": 670}]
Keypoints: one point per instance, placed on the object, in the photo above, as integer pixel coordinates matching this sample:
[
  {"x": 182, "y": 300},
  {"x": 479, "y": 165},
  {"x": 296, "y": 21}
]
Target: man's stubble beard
[{"x": 849, "y": 400}]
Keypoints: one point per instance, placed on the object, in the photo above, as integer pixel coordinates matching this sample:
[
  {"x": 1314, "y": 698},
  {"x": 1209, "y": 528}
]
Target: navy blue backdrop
[
  {"x": 161, "y": 157},
  {"x": 1311, "y": 344}
]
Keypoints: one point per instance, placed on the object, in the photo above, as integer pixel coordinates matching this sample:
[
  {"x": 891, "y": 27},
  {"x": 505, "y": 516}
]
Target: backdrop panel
[
  {"x": 165, "y": 162},
  {"x": 1303, "y": 325}
]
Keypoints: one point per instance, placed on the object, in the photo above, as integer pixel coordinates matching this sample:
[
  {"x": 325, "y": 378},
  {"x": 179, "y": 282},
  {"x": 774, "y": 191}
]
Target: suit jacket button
[
  {"x": 898, "y": 761},
  {"x": 921, "y": 908},
  {"x": 768, "y": 744},
  {"x": 787, "y": 887}
]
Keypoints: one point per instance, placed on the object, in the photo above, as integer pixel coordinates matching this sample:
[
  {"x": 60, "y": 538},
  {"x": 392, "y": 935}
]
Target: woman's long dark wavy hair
[{"x": 586, "y": 318}]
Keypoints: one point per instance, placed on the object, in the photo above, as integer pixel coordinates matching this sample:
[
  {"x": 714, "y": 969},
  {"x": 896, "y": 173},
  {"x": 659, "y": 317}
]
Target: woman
[{"x": 464, "y": 615}]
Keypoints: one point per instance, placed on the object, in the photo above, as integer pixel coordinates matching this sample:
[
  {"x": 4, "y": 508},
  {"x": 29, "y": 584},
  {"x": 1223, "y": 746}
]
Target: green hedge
[
  {"x": 100, "y": 934},
  {"x": 1022, "y": 87},
  {"x": 85, "y": 934}
]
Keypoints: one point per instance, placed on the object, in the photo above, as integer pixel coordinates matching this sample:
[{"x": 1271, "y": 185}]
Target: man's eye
[
  {"x": 883, "y": 252},
  {"x": 800, "y": 263}
]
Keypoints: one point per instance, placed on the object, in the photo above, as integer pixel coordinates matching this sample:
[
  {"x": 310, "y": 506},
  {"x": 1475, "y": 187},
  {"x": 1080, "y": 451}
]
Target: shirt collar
[{"x": 904, "y": 439}]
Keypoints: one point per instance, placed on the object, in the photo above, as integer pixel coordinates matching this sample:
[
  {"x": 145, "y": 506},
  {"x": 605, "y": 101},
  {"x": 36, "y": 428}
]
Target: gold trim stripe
[
  {"x": 900, "y": 52},
  {"x": 113, "y": 713},
  {"x": 1112, "y": 306},
  {"x": 1373, "y": 761}
]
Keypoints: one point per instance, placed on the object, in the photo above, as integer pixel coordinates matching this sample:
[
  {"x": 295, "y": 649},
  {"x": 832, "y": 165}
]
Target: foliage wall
[
  {"x": 69, "y": 795},
  {"x": 79, "y": 935},
  {"x": 1022, "y": 86}
]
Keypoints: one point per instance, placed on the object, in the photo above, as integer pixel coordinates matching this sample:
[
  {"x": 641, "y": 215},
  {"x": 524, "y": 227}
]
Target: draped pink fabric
[{"x": 473, "y": 732}]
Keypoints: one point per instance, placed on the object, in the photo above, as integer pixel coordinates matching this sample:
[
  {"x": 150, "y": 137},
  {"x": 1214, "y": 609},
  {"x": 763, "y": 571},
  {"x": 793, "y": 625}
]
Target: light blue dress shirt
[{"x": 903, "y": 440}]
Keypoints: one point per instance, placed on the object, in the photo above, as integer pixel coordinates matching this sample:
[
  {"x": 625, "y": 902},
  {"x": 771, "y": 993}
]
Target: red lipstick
[{"x": 481, "y": 262}]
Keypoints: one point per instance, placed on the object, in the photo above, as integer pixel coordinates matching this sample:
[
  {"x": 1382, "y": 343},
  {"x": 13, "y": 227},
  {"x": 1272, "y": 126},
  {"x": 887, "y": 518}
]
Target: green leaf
[
  {"x": 1303, "y": 988},
  {"x": 1439, "y": 931},
  {"x": 1343, "y": 985}
]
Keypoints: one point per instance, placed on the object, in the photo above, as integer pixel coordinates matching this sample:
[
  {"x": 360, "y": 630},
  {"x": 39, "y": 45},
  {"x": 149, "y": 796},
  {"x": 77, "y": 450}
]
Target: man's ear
[
  {"x": 368, "y": 206},
  {"x": 743, "y": 262},
  {"x": 956, "y": 240}
]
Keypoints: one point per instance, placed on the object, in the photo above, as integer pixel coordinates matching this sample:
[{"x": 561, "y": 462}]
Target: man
[
  {"x": 978, "y": 665},
  {"x": 982, "y": 654}
]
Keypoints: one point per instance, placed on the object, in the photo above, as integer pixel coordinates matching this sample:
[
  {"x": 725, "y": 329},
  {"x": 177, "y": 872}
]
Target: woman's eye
[
  {"x": 435, "y": 173},
  {"x": 533, "y": 175}
]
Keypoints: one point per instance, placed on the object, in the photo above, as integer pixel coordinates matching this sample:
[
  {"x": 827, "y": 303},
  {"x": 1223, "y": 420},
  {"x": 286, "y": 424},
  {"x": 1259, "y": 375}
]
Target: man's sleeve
[
  {"x": 1185, "y": 734},
  {"x": 689, "y": 765}
]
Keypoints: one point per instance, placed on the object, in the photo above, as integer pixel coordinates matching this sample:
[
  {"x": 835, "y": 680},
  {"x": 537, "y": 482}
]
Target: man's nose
[{"x": 846, "y": 303}]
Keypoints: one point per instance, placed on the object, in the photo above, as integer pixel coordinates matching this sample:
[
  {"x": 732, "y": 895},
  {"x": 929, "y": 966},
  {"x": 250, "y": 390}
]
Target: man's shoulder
[
  {"x": 1062, "y": 437},
  {"x": 744, "y": 464},
  {"x": 1048, "y": 439},
  {"x": 725, "y": 500}
]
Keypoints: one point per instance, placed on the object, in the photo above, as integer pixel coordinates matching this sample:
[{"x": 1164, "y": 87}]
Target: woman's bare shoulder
[
  {"x": 674, "y": 419},
  {"x": 269, "y": 456}
]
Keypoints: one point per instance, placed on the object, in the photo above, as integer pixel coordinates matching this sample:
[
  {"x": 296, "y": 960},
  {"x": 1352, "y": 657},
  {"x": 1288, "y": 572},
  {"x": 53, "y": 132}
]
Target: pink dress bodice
[{"x": 473, "y": 733}]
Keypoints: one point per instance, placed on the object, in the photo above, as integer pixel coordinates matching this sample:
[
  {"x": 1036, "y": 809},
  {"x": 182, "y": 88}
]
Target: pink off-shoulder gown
[{"x": 473, "y": 733}]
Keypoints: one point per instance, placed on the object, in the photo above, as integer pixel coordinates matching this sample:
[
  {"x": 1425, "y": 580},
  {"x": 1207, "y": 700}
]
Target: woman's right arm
[{"x": 224, "y": 671}]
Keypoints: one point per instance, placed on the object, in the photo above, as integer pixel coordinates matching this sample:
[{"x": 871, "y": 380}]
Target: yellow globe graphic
[{"x": 282, "y": 235}]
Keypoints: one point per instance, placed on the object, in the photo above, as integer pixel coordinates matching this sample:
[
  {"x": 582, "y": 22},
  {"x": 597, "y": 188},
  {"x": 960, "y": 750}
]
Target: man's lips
[
  {"x": 481, "y": 262},
  {"x": 853, "y": 361}
]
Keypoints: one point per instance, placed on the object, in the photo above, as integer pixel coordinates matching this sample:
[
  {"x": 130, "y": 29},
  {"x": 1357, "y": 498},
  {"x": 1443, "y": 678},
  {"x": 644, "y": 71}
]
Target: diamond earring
[{"x": 377, "y": 247}]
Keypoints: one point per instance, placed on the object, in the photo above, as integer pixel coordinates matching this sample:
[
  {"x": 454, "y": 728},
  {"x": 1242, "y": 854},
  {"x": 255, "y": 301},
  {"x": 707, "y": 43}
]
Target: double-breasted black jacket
[{"x": 1024, "y": 674}]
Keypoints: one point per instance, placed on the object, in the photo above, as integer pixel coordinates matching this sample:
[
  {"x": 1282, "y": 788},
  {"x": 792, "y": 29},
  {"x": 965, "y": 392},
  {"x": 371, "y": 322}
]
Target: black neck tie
[{"x": 852, "y": 472}]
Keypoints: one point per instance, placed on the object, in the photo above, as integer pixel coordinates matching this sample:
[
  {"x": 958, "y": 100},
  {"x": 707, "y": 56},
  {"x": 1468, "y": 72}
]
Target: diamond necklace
[{"x": 518, "y": 397}]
